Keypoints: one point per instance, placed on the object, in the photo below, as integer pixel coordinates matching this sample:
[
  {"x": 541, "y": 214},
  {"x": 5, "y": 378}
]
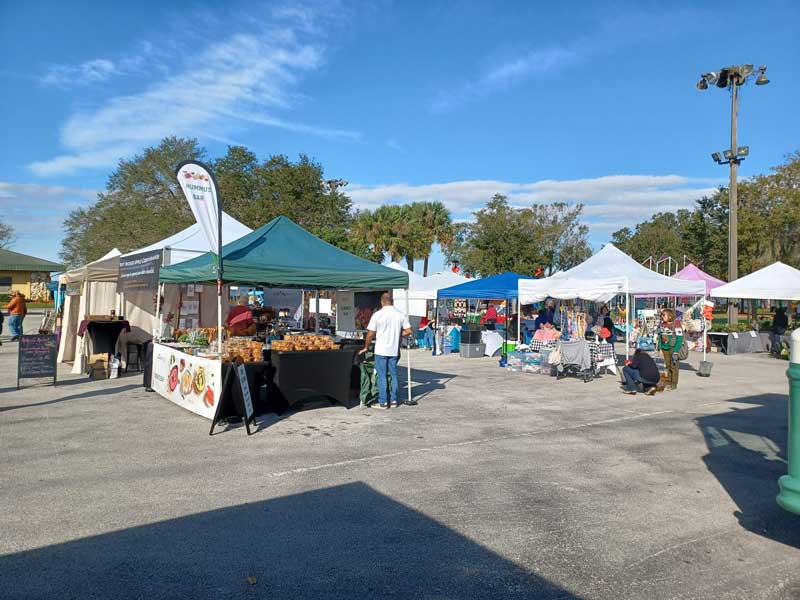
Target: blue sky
[{"x": 449, "y": 101}]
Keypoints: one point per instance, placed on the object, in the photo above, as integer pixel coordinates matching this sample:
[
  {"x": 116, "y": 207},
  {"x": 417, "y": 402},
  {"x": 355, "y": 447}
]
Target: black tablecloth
[
  {"x": 312, "y": 373},
  {"x": 103, "y": 335}
]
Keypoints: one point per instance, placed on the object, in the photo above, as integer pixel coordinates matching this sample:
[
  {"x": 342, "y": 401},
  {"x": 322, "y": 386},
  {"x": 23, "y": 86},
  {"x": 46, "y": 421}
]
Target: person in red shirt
[
  {"x": 240, "y": 319},
  {"x": 490, "y": 317}
]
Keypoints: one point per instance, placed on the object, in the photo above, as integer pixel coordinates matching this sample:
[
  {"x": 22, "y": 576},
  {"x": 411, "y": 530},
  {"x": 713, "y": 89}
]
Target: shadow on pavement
[
  {"x": 426, "y": 382},
  {"x": 81, "y": 396},
  {"x": 747, "y": 455},
  {"x": 347, "y": 541}
]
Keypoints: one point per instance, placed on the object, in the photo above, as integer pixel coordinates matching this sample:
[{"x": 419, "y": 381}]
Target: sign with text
[
  {"x": 188, "y": 381},
  {"x": 345, "y": 313},
  {"x": 139, "y": 272},
  {"x": 37, "y": 357},
  {"x": 200, "y": 189},
  {"x": 241, "y": 374}
]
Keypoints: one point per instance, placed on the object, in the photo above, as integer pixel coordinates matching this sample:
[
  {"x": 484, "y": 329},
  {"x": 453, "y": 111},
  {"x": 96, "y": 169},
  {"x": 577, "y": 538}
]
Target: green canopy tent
[{"x": 283, "y": 254}]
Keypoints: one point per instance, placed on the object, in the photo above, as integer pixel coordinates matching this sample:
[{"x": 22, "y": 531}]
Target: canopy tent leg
[
  {"x": 705, "y": 328},
  {"x": 316, "y": 312},
  {"x": 159, "y": 293},
  {"x": 519, "y": 321},
  {"x": 408, "y": 354},
  {"x": 437, "y": 325},
  {"x": 627, "y": 324}
]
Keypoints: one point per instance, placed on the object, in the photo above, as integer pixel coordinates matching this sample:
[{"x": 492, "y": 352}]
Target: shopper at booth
[
  {"x": 386, "y": 327},
  {"x": 607, "y": 325},
  {"x": 670, "y": 341},
  {"x": 240, "y": 319},
  {"x": 489, "y": 317},
  {"x": 640, "y": 369}
]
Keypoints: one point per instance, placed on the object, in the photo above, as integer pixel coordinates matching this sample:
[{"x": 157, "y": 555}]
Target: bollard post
[{"x": 789, "y": 496}]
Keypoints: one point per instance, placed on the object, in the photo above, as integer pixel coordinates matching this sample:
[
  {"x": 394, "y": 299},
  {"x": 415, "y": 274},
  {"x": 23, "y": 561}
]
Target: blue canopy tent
[{"x": 504, "y": 286}]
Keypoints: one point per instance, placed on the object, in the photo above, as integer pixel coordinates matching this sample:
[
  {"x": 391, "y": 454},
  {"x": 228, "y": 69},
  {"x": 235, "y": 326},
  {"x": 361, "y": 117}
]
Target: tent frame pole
[
  {"x": 408, "y": 353},
  {"x": 316, "y": 311},
  {"x": 437, "y": 325},
  {"x": 627, "y": 318}
]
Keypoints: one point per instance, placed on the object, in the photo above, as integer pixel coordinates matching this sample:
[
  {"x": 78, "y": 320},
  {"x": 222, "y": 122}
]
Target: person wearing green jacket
[{"x": 670, "y": 341}]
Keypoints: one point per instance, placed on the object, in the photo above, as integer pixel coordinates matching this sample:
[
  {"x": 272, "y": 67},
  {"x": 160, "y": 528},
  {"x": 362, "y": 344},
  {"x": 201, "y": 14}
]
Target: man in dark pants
[
  {"x": 780, "y": 323},
  {"x": 642, "y": 369}
]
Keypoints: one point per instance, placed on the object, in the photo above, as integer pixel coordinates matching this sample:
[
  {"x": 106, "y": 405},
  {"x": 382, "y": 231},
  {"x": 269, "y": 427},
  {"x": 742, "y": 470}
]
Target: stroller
[{"x": 576, "y": 361}]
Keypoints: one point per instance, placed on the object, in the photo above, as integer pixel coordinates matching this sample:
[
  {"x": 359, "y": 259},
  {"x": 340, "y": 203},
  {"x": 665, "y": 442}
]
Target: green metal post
[{"x": 789, "y": 497}]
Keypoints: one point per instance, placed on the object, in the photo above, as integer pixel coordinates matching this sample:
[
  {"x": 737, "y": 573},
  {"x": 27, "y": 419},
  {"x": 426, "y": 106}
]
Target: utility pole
[{"x": 733, "y": 78}]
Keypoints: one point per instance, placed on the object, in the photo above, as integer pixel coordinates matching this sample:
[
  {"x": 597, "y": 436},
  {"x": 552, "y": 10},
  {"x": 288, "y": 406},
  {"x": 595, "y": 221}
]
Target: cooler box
[{"x": 472, "y": 350}]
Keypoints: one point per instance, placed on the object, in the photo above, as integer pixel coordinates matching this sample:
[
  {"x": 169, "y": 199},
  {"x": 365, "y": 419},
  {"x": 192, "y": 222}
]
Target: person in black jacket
[
  {"x": 642, "y": 369},
  {"x": 780, "y": 323}
]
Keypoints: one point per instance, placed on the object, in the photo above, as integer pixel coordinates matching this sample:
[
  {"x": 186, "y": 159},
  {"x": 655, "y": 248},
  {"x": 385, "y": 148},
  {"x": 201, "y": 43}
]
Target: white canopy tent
[
  {"x": 421, "y": 289},
  {"x": 604, "y": 275},
  {"x": 97, "y": 282},
  {"x": 141, "y": 307},
  {"x": 778, "y": 281}
]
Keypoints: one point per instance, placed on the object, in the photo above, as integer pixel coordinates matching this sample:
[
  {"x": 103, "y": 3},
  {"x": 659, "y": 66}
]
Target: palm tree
[{"x": 432, "y": 219}]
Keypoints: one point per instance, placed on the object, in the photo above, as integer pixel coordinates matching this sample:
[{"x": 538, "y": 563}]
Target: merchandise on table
[{"x": 298, "y": 343}]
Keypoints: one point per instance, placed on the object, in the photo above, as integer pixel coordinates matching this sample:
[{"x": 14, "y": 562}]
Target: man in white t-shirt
[{"x": 386, "y": 327}]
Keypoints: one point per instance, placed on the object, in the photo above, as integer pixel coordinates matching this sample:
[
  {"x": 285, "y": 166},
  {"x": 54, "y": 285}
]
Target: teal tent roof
[{"x": 283, "y": 254}]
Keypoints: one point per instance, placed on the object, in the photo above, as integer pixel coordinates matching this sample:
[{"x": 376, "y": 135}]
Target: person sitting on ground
[
  {"x": 780, "y": 323},
  {"x": 640, "y": 369},
  {"x": 240, "y": 319}
]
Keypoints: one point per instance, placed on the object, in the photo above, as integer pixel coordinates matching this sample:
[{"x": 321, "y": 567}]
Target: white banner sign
[
  {"x": 345, "y": 313},
  {"x": 201, "y": 193},
  {"x": 189, "y": 381}
]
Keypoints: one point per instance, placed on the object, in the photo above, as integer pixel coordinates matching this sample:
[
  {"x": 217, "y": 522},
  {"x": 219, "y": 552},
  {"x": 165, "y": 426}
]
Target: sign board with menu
[{"x": 37, "y": 357}]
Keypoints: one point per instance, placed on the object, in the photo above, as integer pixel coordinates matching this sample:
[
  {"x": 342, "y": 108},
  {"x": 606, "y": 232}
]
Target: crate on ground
[{"x": 472, "y": 350}]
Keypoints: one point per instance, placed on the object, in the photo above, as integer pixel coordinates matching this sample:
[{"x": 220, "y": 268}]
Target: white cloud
[
  {"x": 37, "y": 213},
  {"x": 621, "y": 199},
  {"x": 242, "y": 79},
  {"x": 505, "y": 74},
  {"x": 91, "y": 71}
]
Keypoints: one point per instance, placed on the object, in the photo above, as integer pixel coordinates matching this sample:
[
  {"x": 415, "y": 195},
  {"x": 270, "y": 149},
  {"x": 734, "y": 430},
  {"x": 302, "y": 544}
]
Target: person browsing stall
[
  {"x": 490, "y": 316},
  {"x": 240, "y": 319},
  {"x": 670, "y": 342},
  {"x": 386, "y": 327},
  {"x": 780, "y": 323},
  {"x": 640, "y": 369}
]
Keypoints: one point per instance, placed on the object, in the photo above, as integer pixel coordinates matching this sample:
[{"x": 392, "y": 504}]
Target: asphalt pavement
[{"x": 497, "y": 485}]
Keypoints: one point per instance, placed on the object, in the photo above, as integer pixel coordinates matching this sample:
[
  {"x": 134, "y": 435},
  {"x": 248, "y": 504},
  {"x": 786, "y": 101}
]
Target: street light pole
[
  {"x": 733, "y": 77},
  {"x": 733, "y": 208}
]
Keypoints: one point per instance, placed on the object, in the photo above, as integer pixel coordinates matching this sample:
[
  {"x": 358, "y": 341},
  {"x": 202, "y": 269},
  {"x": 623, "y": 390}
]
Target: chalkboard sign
[
  {"x": 37, "y": 357},
  {"x": 244, "y": 386},
  {"x": 235, "y": 398}
]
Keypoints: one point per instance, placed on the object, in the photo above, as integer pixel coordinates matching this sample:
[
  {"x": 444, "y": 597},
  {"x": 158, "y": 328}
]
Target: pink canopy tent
[{"x": 693, "y": 273}]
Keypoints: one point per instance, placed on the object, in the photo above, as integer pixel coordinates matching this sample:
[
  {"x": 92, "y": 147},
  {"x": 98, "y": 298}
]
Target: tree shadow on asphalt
[
  {"x": 348, "y": 541},
  {"x": 747, "y": 455},
  {"x": 82, "y": 396}
]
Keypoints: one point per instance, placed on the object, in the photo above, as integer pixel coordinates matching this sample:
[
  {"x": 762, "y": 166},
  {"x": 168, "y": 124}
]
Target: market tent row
[
  {"x": 422, "y": 289},
  {"x": 778, "y": 281},
  {"x": 606, "y": 274},
  {"x": 283, "y": 254},
  {"x": 92, "y": 290}
]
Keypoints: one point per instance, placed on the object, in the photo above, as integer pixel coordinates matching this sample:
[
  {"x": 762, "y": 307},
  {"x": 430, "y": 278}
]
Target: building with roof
[{"x": 26, "y": 274}]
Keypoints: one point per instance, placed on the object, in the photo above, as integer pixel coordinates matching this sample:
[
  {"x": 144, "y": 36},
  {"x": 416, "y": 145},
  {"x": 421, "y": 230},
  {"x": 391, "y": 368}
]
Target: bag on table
[{"x": 555, "y": 356}]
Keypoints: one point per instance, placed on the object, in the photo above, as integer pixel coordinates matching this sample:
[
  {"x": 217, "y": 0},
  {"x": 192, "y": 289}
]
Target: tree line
[
  {"x": 142, "y": 204},
  {"x": 768, "y": 230}
]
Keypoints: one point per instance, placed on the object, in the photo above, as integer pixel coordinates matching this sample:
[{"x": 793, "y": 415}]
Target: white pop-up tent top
[
  {"x": 421, "y": 289},
  {"x": 96, "y": 287},
  {"x": 608, "y": 273},
  {"x": 778, "y": 281},
  {"x": 141, "y": 308}
]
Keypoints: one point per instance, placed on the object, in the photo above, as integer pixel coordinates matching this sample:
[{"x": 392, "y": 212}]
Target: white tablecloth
[{"x": 493, "y": 341}]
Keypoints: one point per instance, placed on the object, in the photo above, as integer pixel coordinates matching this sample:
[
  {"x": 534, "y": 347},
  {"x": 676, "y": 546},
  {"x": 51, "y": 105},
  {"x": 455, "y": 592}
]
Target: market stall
[
  {"x": 422, "y": 290},
  {"x": 90, "y": 290},
  {"x": 504, "y": 286},
  {"x": 608, "y": 273},
  {"x": 777, "y": 281},
  {"x": 279, "y": 254}
]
